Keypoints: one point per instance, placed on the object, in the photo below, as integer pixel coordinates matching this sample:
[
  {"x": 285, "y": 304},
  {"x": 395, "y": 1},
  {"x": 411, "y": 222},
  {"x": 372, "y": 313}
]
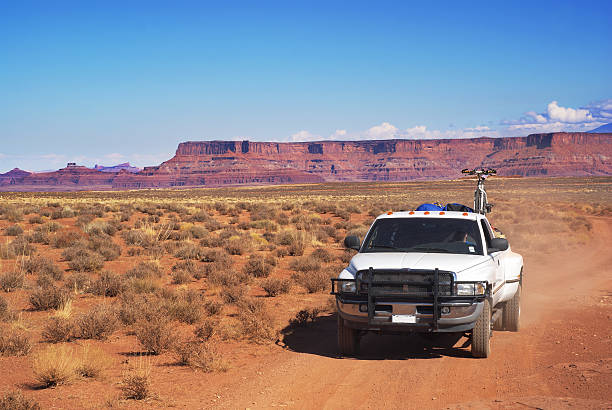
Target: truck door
[{"x": 497, "y": 259}]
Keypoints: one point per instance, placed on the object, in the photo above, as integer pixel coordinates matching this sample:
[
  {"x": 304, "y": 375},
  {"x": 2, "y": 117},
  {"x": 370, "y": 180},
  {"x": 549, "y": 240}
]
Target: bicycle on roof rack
[{"x": 481, "y": 205}]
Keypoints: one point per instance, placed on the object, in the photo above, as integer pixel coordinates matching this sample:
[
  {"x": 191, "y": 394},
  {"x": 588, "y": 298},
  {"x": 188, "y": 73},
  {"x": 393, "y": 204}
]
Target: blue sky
[{"x": 109, "y": 82}]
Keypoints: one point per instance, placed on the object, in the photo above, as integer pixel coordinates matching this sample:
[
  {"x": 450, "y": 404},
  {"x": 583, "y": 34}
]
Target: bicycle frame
[{"x": 481, "y": 204}]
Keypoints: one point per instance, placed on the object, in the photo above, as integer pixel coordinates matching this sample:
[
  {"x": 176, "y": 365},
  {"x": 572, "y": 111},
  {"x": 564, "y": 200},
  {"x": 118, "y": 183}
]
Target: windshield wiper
[
  {"x": 382, "y": 247},
  {"x": 429, "y": 248}
]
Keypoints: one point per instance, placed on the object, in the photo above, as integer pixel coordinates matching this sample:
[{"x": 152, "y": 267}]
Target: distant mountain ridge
[
  {"x": 219, "y": 163},
  {"x": 116, "y": 168}
]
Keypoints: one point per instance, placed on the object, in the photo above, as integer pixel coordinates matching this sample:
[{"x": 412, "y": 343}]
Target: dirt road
[{"x": 562, "y": 357}]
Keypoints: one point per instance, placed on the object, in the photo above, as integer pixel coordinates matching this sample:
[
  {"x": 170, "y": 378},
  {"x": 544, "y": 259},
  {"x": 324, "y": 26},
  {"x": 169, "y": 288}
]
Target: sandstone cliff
[{"x": 216, "y": 163}]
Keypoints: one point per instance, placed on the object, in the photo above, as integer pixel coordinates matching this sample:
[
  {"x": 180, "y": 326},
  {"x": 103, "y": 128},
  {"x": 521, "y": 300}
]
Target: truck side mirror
[
  {"x": 352, "y": 242},
  {"x": 498, "y": 244}
]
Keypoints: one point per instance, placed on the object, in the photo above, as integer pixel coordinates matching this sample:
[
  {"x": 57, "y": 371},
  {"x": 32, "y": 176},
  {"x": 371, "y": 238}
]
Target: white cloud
[
  {"x": 568, "y": 115},
  {"x": 304, "y": 135},
  {"x": 383, "y": 131}
]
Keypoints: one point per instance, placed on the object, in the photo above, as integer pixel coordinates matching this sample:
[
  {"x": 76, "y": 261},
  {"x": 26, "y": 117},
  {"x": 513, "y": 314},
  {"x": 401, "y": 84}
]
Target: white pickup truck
[{"x": 423, "y": 271}]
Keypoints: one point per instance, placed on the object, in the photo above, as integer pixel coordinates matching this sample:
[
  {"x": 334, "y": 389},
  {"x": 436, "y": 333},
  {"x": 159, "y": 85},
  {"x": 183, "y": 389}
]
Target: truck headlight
[
  {"x": 348, "y": 287},
  {"x": 470, "y": 289}
]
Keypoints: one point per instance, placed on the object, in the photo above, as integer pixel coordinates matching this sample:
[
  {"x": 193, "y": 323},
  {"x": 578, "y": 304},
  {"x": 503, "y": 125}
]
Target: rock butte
[{"x": 218, "y": 163}]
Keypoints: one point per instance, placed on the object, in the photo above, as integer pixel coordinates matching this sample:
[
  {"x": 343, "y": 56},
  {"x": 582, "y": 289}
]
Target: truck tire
[
  {"x": 481, "y": 335},
  {"x": 499, "y": 323},
  {"x": 512, "y": 312},
  {"x": 348, "y": 339}
]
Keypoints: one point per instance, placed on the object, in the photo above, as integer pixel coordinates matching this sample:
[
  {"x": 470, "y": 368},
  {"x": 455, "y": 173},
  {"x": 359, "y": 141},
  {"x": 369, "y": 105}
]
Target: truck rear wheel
[
  {"x": 481, "y": 335},
  {"x": 348, "y": 339},
  {"x": 512, "y": 312}
]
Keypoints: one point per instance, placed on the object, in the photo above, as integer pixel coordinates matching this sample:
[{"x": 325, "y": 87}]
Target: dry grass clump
[
  {"x": 58, "y": 329},
  {"x": 78, "y": 282},
  {"x": 99, "y": 323},
  {"x": 54, "y": 365},
  {"x": 105, "y": 246},
  {"x": 199, "y": 356},
  {"x": 145, "y": 270},
  {"x": 185, "y": 306},
  {"x": 276, "y": 286},
  {"x": 257, "y": 266},
  {"x": 181, "y": 277},
  {"x": 4, "y": 309},
  {"x": 234, "y": 293},
  {"x": 13, "y": 230},
  {"x": 64, "y": 239},
  {"x": 42, "y": 266},
  {"x": 12, "y": 213},
  {"x": 313, "y": 281},
  {"x": 15, "y": 400},
  {"x": 305, "y": 264},
  {"x": 189, "y": 250},
  {"x": 322, "y": 255},
  {"x": 11, "y": 281},
  {"x": 14, "y": 342},
  {"x": 100, "y": 228},
  {"x": 155, "y": 336},
  {"x": 296, "y": 241},
  {"x": 49, "y": 297},
  {"x": 206, "y": 330},
  {"x": 255, "y": 321},
  {"x": 136, "y": 384},
  {"x": 109, "y": 284}
]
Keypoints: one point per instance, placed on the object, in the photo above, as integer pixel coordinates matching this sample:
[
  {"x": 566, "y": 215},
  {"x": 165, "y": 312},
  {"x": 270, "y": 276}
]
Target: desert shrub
[
  {"x": 180, "y": 277},
  {"x": 205, "y": 330},
  {"x": 238, "y": 245},
  {"x": 36, "y": 219},
  {"x": 105, "y": 247},
  {"x": 145, "y": 270},
  {"x": 11, "y": 281},
  {"x": 15, "y": 400},
  {"x": 86, "y": 261},
  {"x": 144, "y": 285},
  {"x": 305, "y": 264},
  {"x": 100, "y": 228},
  {"x": 282, "y": 252},
  {"x": 322, "y": 254},
  {"x": 295, "y": 241},
  {"x": 7, "y": 251},
  {"x": 64, "y": 239},
  {"x": 14, "y": 343},
  {"x": 213, "y": 307},
  {"x": 346, "y": 256},
  {"x": 43, "y": 266},
  {"x": 49, "y": 297},
  {"x": 58, "y": 329},
  {"x": 217, "y": 255},
  {"x": 185, "y": 307},
  {"x": 233, "y": 293},
  {"x": 4, "y": 309},
  {"x": 200, "y": 356},
  {"x": 13, "y": 230},
  {"x": 155, "y": 336},
  {"x": 12, "y": 214},
  {"x": 359, "y": 231},
  {"x": 99, "y": 323},
  {"x": 305, "y": 317},
  {"x": 39, "y": 237},
  {"x": 316, "y": 281},
  {"x": 92, "y": 362},
  {"x": 257, "y": 266},
  {"x": 134, "y": 251},
  {"x": 77, "y": 282},
  {"x": 65, "y": 212},
  {"x": 226, "y": 277},
  {"x": 54, "y": 365},
  {"x": 109, "y": 284},
  {"x": 21, "y": 246},
  {"x": 50, "y": 227},
  {"x": 189, "y": 250},
  {"x": 198, "y": 232},
  {"x": 136, "y": 384},
  {"x": 256, "y": 322},
  {"x": 276, "y": 286}
]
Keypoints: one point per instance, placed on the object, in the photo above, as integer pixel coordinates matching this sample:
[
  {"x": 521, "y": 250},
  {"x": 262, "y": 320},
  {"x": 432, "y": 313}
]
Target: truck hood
[{"x": 396, "y": 260}]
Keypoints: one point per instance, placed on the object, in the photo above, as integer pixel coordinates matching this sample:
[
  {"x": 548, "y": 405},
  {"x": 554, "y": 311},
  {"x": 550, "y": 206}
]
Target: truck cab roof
[{"x": 433, "y": 214}]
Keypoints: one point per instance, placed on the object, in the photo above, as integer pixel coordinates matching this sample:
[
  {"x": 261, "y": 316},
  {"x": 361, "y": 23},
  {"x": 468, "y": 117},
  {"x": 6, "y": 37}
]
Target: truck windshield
[{"x": 427, "y": 235}]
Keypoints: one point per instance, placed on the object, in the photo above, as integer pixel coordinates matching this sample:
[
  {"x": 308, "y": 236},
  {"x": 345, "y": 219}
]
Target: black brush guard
[{"x": 435, "y": 287}]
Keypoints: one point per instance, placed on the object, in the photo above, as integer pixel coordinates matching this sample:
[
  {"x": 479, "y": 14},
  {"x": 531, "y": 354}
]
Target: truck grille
[{"x": 405, "y": 282}]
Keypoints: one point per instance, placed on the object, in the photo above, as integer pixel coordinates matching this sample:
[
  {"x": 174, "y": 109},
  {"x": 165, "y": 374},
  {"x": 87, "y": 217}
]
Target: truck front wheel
[
  {"x": 512, "y": 312},
  {"x": 481, "y": 335},
  {"x": 348, "y": 339}
]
